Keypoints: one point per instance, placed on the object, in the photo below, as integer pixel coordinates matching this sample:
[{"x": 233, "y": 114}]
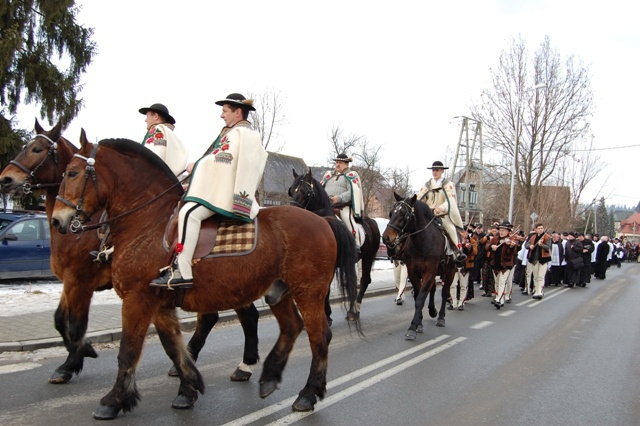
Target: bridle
[
  {"x": 409, "y": 216},
  {"x": 89, "y": 172},
  {"x": 31, "y": 183},
  {"x": 308, "y": 195},
  {"x": 76, "y": 224}
]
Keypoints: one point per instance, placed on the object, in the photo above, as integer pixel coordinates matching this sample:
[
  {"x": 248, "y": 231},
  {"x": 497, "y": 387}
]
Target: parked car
[
  {"x": 382, "y": 248},
  {"x": 25, "y": 249}
]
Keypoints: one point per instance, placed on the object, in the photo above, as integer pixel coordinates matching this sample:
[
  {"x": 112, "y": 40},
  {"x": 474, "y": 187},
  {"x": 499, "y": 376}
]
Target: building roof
[{"x": 278, "y": 172}]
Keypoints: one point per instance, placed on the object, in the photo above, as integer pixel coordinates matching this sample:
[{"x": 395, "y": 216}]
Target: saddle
[{"x": 218, "y": 236}]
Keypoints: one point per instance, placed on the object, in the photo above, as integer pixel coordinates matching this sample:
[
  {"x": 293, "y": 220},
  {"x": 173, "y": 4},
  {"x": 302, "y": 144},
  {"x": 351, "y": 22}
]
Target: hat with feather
[{"x": 236, "y": 99}]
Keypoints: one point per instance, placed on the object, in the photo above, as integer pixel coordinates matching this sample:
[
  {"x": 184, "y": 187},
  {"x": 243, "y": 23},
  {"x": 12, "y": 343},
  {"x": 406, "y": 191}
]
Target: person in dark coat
[
  {"x": 602, "y": 253},
  {"x": 573, "y": 256},
  {"x": 587, "y": 249},
  {"x": 557, "y": 258}
]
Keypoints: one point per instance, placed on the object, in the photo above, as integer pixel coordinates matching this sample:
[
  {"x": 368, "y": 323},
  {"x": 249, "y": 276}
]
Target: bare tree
[
  {"x": 341, "y": 143},
  {"x": 536, "y": 128},
  {"x": 268, "y": 116}
]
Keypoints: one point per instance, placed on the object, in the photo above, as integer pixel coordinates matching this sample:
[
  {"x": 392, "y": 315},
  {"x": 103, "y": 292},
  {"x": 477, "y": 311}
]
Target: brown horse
[
  {"x": 412, "y": 235},
  {"x": 40, "y": 166},
  {"x": 306, "y": 192},
  {"x": 293, "y": 246}
]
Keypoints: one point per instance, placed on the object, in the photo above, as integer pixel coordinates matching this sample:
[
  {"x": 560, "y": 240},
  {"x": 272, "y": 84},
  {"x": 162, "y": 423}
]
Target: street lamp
[{"x": 515, "y": 148}]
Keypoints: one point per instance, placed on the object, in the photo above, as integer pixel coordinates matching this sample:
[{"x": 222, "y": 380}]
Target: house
[{"x": 629, "y": 228}]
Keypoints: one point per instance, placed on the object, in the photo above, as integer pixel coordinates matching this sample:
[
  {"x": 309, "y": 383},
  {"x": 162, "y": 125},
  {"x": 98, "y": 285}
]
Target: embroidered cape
[
  {"x": 357, "y": 200},
  {"x": 226, "y": 180}
]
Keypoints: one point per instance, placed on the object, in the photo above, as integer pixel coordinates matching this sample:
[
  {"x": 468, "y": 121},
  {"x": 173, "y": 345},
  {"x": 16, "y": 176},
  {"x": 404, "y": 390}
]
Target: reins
[
  {"x": 402, "y": 235},
  {"x": 90, "y": 171}
]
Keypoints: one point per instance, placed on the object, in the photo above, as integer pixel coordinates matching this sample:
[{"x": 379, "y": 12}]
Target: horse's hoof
[
  {"x": 182, "y": 402},
  {"x": 240, "y": 376},
  {"x": 303, "y": 404},
  {"x": 88, "y": 351},
  {"x": 353, "y": 316},
  {"x": 410, "y": 335},
  {"x": 440, "y": 322},
  {"x": 60, "y": 377},
  {"x": 420, "y": 328},
  {"x": 106, "y": 412},
  {"x": 173, "y": 372},
  {"x": 433, "y": 312},
  {"x": 267, "y": 388}
]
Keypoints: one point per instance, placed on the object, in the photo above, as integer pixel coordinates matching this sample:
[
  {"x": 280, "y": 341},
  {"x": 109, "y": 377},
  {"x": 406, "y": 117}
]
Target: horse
[
  {"x": 40, "y": 166},
  {"x": 293, "y": 246},
  {"x": 306, "y": 192},
  {"x": 413, "y": 236}
]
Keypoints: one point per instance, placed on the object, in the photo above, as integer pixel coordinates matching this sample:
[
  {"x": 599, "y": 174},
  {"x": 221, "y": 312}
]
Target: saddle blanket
[{"x": 234, "y": 238}]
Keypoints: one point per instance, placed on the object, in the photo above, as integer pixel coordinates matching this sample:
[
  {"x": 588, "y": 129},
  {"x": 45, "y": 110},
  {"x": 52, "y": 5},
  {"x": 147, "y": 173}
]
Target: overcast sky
[{"x": 353, "y": 64}]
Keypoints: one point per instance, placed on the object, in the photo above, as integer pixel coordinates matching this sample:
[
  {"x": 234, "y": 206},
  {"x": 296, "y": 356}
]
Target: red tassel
[{"x": 179, "y": 248}]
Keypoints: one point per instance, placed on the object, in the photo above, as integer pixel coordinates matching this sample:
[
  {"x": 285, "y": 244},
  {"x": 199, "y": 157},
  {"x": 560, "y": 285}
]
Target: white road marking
[
  {"x": 329, "y": 401},
  {"x": 547, "y": 297},
  {"x": 481, "y": 325},
  {"x": 14, "y": 368},
  {"x": 274, "y": 408},
  {"x": 507, "y": 313}
]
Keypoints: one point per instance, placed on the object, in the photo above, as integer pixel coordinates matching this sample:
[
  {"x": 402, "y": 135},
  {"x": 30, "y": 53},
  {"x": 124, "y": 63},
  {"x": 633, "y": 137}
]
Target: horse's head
[
  {"x": 38, "y": 164},
  {"x": 78, "y": 197},
  {"x": 402, "y": 220},
  {"x": 303, "y": 189}
]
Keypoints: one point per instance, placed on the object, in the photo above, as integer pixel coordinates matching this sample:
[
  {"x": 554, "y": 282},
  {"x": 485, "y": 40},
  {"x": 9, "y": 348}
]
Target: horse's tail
[{"x": 346, "y": 264}]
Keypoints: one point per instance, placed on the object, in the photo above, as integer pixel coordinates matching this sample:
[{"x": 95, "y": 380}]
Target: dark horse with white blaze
[
  {"x": 40, "y": 165},
  {"x": 306, "y": 192},
  {"x": 293, "y": 246},
  {"x": 412, "y": 235}
]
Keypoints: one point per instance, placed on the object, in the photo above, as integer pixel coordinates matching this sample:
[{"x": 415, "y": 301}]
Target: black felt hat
[
  {"x": 505, "y": 225},
  {"x": 160, "y": 109},
  {"x": 236, "y": 99},
  {"x": 343, "y": 157},
  {"x": 437, "y": 165}
]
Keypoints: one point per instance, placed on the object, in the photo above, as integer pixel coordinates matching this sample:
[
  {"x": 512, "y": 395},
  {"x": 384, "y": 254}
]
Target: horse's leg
[
  {"x": 327, "y": 308},
  {"x": 447, "y": 281},
  {"x": 248, "y": 316},
  {"x": 72, "y": 326},
  {"x": 368, "y": 257},
  {"x": 191, "y": 382},
  {"x": 291, "y": 326},
  {"x": 416, "y": 322},
  {"x": 203, "y": 327},
  {"x": 433, "y": 312},
  {"x": 319, "y": 338},
  {"x": 124, "y": 394}
]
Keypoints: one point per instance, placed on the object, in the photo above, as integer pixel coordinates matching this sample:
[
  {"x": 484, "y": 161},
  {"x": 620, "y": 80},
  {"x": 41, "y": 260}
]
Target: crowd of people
[{"x": 504, "y": 260}]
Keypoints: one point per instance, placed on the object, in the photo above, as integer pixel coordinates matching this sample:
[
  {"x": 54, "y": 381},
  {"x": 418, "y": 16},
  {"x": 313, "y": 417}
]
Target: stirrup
[{"x": 169, "y": 280}]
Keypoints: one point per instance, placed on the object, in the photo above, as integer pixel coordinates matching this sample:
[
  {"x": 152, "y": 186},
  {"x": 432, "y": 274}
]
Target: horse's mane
[
  {"x": 135, "y": 149},
  {"x": 421, "y": 209}
]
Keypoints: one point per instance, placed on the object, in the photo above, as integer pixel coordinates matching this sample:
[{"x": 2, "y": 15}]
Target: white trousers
[
  {"x": 400, "y": 274},
  {"x": 461, "y": 279},
  {"x": 503, "y": 285},
  {"x": 189, "y": 221},
  {"x": 539, "y": 271}
]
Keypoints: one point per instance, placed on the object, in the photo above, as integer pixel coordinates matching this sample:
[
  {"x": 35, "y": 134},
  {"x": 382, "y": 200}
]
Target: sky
[{"x": 354, "y": 65}]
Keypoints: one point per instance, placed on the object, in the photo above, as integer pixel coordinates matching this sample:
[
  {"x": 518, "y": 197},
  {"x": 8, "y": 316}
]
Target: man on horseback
[
  {"x": 233, "y": 164},
  {"x": 344, "y": 188},
  {"x": 440, "y": 195},
  {"x": 162, "y": 140}
]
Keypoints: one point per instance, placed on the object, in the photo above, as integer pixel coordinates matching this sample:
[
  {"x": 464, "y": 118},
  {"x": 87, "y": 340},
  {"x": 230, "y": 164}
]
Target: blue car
[{"x": 25, "y": 249}]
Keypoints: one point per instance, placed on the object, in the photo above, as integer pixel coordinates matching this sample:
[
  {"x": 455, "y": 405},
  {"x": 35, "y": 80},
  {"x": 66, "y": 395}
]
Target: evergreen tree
[{"x": 33, "y": 33}]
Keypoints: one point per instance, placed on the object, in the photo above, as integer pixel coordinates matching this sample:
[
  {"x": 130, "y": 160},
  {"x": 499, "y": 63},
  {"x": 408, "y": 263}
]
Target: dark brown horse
[
  {"x": 293, "y": 246},
  {"x": 40, "y": 166},
  {"x": 306, "y": 192},
  {"x": 412, "y": 235}
]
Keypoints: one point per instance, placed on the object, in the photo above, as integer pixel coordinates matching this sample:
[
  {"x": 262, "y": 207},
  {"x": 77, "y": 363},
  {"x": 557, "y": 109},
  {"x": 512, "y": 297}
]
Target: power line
[{"x": 605, "y": 149}]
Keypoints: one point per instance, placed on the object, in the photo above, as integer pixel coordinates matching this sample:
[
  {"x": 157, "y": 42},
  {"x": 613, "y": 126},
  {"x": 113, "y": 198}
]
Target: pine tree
[{"x": 33, "y": 34}]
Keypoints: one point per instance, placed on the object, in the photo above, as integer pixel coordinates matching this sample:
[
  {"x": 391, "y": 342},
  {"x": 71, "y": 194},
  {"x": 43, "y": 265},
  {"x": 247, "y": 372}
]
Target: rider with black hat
[{"x": 440, "y": 195}]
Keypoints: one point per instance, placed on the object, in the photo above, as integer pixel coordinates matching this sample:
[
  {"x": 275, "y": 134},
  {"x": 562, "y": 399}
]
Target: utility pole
[{"x": 469, "y": 177}]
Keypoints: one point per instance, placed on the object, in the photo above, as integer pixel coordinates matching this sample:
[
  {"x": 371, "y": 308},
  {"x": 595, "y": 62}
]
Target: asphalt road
[{"x": 570, "y": 359}]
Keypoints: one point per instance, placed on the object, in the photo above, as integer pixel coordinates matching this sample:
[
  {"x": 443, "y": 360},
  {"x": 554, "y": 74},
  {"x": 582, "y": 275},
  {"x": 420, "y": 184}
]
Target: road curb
[{"x": 187, "y": 324}]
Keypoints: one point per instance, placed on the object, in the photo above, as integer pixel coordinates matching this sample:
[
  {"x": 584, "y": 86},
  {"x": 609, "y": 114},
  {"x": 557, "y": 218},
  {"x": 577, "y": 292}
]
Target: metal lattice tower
[{"x": 468, "y": 177}]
